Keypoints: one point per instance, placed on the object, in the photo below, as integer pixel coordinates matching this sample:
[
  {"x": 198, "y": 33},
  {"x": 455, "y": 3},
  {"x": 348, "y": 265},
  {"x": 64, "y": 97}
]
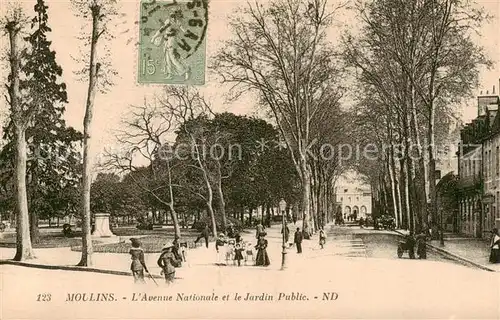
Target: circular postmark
[{"x": 182, "y": 25}]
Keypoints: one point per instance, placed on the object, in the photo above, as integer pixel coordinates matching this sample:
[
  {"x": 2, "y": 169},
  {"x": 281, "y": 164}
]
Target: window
[
  {"x": 345, "y": 190},
  {"x": 349, "y": 199},
  {"x": 357, "y": 198},
  {"x": 341, "y": 198}
]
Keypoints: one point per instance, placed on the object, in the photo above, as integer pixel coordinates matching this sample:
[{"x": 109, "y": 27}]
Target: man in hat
[
  {"x": 168, "y": 262},
  {"x": 204, "y": 234},
  {"x": 298, "y": 240},
  {"x": 138, "y": 265}
]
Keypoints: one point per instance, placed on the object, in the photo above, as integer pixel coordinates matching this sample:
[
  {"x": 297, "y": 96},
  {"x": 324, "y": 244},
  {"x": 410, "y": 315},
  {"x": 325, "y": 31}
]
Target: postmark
[{"x": 172, "y": 42}]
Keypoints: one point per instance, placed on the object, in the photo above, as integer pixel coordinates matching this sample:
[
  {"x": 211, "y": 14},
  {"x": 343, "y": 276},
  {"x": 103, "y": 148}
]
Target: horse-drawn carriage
[{"x": 386, "y": 222}]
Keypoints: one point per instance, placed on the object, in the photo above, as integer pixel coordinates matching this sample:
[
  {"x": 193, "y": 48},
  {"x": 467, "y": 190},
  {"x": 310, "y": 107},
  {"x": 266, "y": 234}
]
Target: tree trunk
[
  {"x": 87, "y": 249},
  {"x": 34, "y": 232},
  {"x": 432, "y": 174},
  {"x": 306, "y": 198},
  {"x": 24, "y": 249},
  {"x": 175, "y": 219},
  {"x": 392, "y": 178}
]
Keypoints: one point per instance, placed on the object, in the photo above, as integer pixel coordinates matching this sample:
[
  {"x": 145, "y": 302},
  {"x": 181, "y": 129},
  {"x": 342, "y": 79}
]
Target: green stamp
[{"x": 172, "y": 42}]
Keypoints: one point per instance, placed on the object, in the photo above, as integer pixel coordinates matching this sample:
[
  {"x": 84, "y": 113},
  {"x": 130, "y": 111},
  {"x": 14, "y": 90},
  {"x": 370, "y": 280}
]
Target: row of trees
[
  {"x": 48, "y": 177},
  {"x": 180, "y": 157},
  {"x": 415, "y": 61},
  {"x": 281, "y": 53}
]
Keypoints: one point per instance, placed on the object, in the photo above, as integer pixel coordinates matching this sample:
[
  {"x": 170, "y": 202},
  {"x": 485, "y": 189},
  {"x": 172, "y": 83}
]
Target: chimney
[{"x": 493, "y": 89}]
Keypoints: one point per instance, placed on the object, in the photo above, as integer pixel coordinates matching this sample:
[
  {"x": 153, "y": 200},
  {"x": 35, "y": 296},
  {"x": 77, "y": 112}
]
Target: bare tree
[
  {"x": 188, "y": 106},
  {"x": 20, "y": 112},
  {"x": 99, "y": 12},
  {"x": 425, "y": 49},
  {"x": 145, "y": 137},
  {"x": 281, "y": 53}
]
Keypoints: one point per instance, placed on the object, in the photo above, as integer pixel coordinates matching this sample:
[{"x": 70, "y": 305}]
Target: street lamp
[{"x": 282, "y": 205}]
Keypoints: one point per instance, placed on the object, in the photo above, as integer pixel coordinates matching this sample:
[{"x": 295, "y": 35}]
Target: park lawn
[
  {"x": 54, "y": 239},
  {"x": 150, "y": 244},
  {"x": 46, "y": 240}
]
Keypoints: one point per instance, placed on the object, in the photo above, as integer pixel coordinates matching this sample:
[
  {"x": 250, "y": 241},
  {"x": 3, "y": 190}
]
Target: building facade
[
  {"x": 479, "y": 170},
  {"x": 355, "y": 202}
]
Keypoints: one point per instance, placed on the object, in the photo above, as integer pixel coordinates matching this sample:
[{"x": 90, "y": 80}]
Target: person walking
[
  {"x": 297, "y": 239},
  {"x": 204, "y": 234},
  {"x": 168, "y": 262},
  {"x": 258, "y": 230},
  {"x": 138, "y": 265},
  {"x": 238, "y": 249},
  {"x": 361, "y": 222},
  {"x": 178, "y": 251},
  {"x": 219, "y": 247},
  {"x": 322, "y": 238},
  {"x": 495, "y": 246},
  {"x": 262, "y": 258},
  {"x": 421, "y": 246}
]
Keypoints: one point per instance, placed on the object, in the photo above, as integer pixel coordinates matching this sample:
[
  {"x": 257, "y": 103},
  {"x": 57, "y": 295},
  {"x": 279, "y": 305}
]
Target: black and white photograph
[{"x": 249, "y": 159}]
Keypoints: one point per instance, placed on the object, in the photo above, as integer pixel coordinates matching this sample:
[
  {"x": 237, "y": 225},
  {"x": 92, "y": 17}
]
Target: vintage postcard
[{"x": 267, "y": 159}]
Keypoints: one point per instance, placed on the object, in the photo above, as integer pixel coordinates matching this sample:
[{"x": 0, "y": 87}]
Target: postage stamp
[{"x": 172, "y": 42}]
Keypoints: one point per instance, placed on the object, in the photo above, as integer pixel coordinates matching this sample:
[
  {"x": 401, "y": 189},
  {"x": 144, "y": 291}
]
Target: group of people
[
  {"x": 169, "y": 259},
  {"x": 172, "y": 255}
]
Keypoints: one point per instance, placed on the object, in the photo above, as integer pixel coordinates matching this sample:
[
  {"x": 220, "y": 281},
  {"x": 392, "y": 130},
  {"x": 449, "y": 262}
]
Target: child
[
  {"x": 138, "y": 265},
  {"x": 168, "y": 262},
  {"x": 238, "y": 251}
]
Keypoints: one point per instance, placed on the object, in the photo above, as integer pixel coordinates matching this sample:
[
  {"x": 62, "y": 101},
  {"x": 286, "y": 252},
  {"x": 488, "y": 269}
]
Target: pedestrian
[
  {"x": 297, "y": 239},
  {"x": 204, "y": 234},
  {"x": 322, "y": 238},
  {"x": 258, "y": 230},
  {"x": 286, "y": 233},
  {"x": 262, "y": 258},
  {"x": 238, "y": 249},
  {"x": 421, "y": 246},
  {"x": 168, "y": 262},
  {"x": 176, "y": 249},
  {"x": 410, "y": 245},
  {"x": 230, "y": 231},
  {"x": 495, "y": 246},
  {"x": 219, "y": 247},
  {"x": 138, "y": 265},
  {"x": 361, "y": 222}
]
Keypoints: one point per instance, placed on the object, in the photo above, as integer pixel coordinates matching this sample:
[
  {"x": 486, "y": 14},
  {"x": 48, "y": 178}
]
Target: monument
[{"x": 101, "y": 229}]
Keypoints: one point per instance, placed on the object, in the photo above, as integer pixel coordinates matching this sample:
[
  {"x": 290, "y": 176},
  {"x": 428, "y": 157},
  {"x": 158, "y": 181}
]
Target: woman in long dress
[
  {"x": 166, "y": 35},
  {"x": 495, "y": 246},
  {"x": 262, "y": 258}
]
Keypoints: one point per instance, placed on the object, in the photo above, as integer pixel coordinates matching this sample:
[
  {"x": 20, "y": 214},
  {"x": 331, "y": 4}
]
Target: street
[{"x": 355, "y": 275}]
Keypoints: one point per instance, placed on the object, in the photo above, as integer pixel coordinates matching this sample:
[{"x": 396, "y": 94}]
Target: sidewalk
[
  {"x": 475, "y": 251},
  {"x": 198, "y": 259}
]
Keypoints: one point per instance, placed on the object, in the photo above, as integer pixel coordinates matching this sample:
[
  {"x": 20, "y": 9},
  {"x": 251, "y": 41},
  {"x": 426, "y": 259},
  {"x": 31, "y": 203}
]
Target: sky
[{"x": 113, "y": 106}]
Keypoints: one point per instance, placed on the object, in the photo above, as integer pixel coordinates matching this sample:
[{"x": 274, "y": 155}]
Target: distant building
[
  {"x": 355, "y": 201},
  {"x": 479, "y": 170}
]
